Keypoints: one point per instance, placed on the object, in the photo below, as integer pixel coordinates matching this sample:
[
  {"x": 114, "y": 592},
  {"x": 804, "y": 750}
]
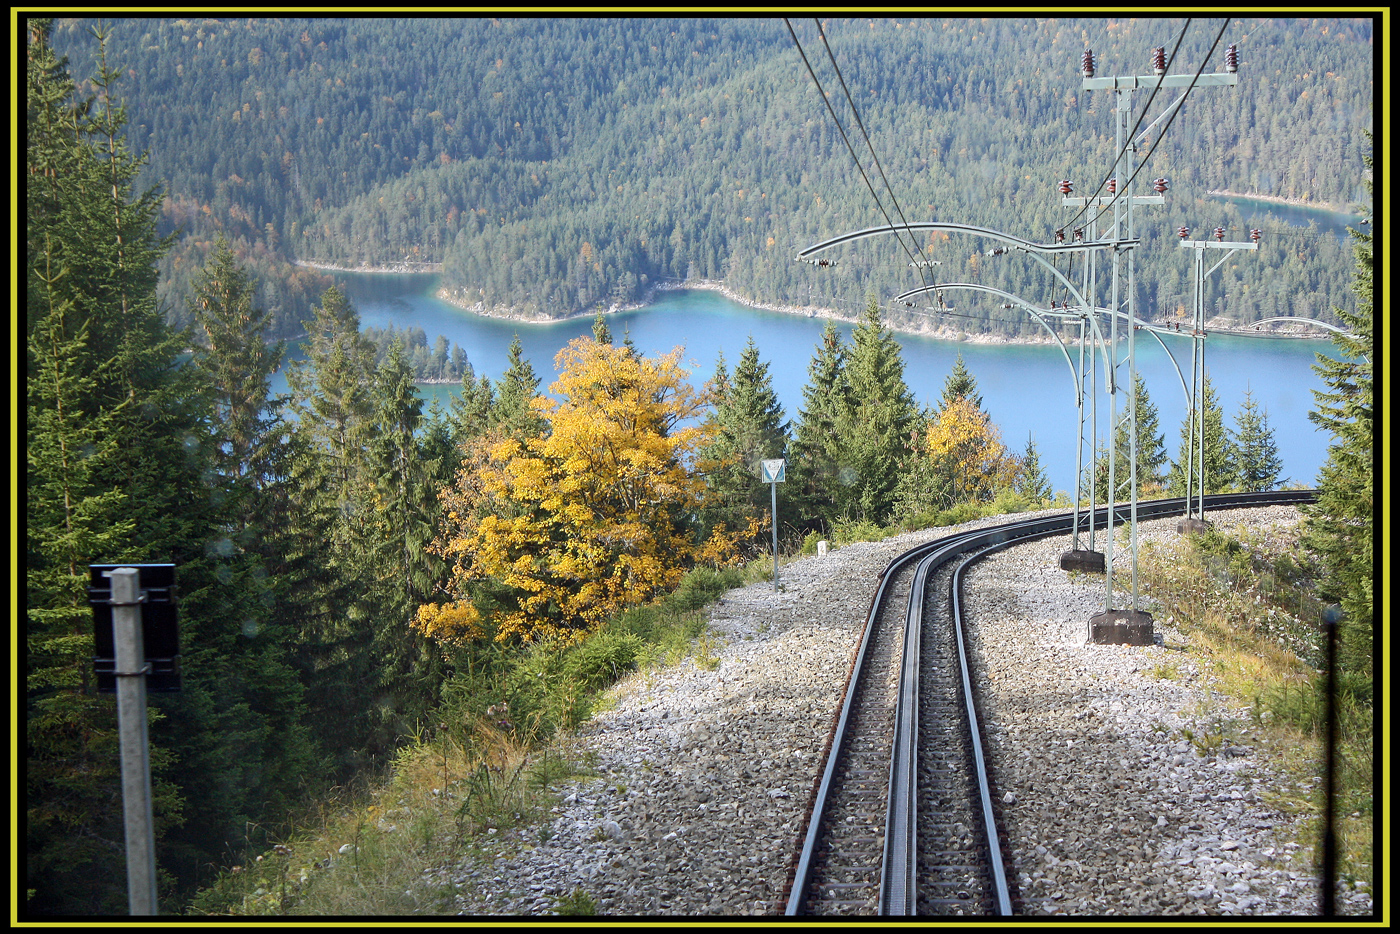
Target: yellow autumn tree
[
  {"x": 966, "y": 452},
  {"x": 594, "y": 515}
]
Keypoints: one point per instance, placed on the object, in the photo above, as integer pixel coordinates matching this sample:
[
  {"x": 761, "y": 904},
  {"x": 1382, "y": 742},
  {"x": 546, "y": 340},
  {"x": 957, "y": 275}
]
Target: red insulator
[
  {"x": 1086, "y": 65},
  {"x": 1182, "y": 232},
  {"x": 1159, "y": 185},
  {"x": 1112, "y": 185},
  {"x": 1078, "y": 234},
  {"x": 1159, "y": 60},
  {"x": 1232, "y": 59},
  {"x": 1255, "y": 234},
  {"x": 1065, "y": 186},
  {"x": 1219, "y": 234},
  {"x": 1060, "y": 235}
]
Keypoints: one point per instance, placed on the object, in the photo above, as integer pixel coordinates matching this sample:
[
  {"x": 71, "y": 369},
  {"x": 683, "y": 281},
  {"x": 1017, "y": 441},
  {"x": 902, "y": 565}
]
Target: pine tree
[
  {"x": 1341, "y": 523},
  {"x": 1220, "y": 472},
  {"x": 513, "y": 412},
  {"x": 1252, "y": 449},
  {"x": 876, "y": 430},
  {"x": 1151, "y": 450},
  {"x": 1033, "y": 484},
  {"x": 960, "y": 383},
  {"x": 748, "y": 428}
]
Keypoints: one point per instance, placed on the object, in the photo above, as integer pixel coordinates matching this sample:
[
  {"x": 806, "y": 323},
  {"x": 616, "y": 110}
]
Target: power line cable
[
  {"x": 849, "y": 148},
  {"x": 854, "y": 110}
]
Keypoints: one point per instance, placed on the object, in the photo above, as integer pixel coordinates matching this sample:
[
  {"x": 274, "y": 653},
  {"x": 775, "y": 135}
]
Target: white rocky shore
[{"x": 704, "y": 774}]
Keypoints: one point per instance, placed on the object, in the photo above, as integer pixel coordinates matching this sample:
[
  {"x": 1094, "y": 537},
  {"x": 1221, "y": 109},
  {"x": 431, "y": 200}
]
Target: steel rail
[{"x": 929, "y": 555}]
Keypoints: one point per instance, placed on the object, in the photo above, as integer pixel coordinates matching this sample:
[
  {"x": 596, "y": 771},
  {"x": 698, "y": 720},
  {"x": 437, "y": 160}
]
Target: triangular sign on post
[{"x": 775, "y": 471}]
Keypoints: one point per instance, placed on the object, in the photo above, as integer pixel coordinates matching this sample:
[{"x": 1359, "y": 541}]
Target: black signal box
[{"x": 160, "y": 631}]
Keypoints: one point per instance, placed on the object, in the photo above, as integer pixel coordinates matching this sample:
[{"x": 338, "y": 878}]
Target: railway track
[{"x": 904, "y": 820}]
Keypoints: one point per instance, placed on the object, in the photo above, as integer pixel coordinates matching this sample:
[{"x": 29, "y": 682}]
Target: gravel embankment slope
[{"x": 705, "y": 775}]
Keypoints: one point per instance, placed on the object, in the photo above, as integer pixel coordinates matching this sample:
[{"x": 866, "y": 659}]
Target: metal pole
[
  {"x": 1330, "y": 617},
  {"x": 1132, "y": 386},
  {"x": 774, "y": 488},
  {"x": 1201, "y": 409},
  {"x": 1079, "y": 442},
  {"x": 1190, "y": 471},
  {"x": 1093, "y": 442},
  {"x": 135, "y": 750}
]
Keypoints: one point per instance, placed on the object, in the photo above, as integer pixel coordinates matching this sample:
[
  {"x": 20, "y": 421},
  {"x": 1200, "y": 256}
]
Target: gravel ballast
[{"x": 704, "y": 774}]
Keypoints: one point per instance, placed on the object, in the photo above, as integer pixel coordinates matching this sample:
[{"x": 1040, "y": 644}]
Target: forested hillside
[{"x": 553, "y": 166}]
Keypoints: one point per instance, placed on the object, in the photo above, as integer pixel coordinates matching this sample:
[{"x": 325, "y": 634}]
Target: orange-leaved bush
[
  {"x": 966, "y": 450},
  {"x": 594, "y": 515}
]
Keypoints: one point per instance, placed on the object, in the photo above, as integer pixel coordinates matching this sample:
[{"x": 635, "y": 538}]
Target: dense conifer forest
[{"x": 557, "y": 165}]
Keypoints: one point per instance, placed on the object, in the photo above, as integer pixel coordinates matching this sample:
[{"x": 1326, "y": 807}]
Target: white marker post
[{"x": 775, "y": 472}]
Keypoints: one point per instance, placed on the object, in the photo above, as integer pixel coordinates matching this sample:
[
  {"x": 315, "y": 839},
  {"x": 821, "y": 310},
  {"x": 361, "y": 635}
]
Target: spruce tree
[
  {"x": 123, "y": 468},
  {"x": 1033, "y": 484},
  {"x": 1341, "y": 523},
  {"x": 960, "y": 383},
  {"x": 601, "y": 334},
  {"x": 1253, "y": 450},
  {"x": 331, "y": 388},
  {"x": 518, "y": 387},
  {"x": 471, "y": 412},
  {"x": 749, "y": 428},
  {"x": 238, "y": 362},
  {"x": 876, "y": 430},
  {"x": 1151, "y": 450},
  {"x": 399, "y": 504},
  {"x": 815, "y": 467},
  {"x": 1220, "y": 472}
]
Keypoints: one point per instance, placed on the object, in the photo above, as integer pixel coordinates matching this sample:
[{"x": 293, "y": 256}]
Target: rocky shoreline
[
  {"x": 943, "y": 332},
  {"x": 1278, "y": 199},
  {"x": 924, "y": 328},
  {"x": 704, "y": 773}
]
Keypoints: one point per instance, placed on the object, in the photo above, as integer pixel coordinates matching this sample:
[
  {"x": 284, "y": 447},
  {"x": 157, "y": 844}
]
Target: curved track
[{"x": 904, "y": 820}]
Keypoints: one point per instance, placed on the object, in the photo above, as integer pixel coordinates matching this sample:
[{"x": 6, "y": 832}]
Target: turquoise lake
[{"x": 1027, "y": 389}]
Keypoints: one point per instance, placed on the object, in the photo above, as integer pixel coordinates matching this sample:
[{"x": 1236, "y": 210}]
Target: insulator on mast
[
  {"x": 1078, "y": 234},
  {"x": 1060, "y": 235},
  {"x": 1065, "y": 186},
  {"x": 1159, "y": 60},
  {"x": 1232, "y": 59},
  {"x": 1182, "y": 232},
  {"x": 1159, "y": 185},
  {"x": 1255, "y": 234},
  {"x": 1112, "y": 185},
  {"x": 1219, "y": 234},
  {"x": 1087, "y": 64}
]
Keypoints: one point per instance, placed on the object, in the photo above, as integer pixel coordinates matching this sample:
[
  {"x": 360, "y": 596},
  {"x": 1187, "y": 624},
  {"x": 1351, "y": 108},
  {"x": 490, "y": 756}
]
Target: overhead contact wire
[
  {"x": 860, "y": 123},
  {"x": 840, "y": 129}
]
